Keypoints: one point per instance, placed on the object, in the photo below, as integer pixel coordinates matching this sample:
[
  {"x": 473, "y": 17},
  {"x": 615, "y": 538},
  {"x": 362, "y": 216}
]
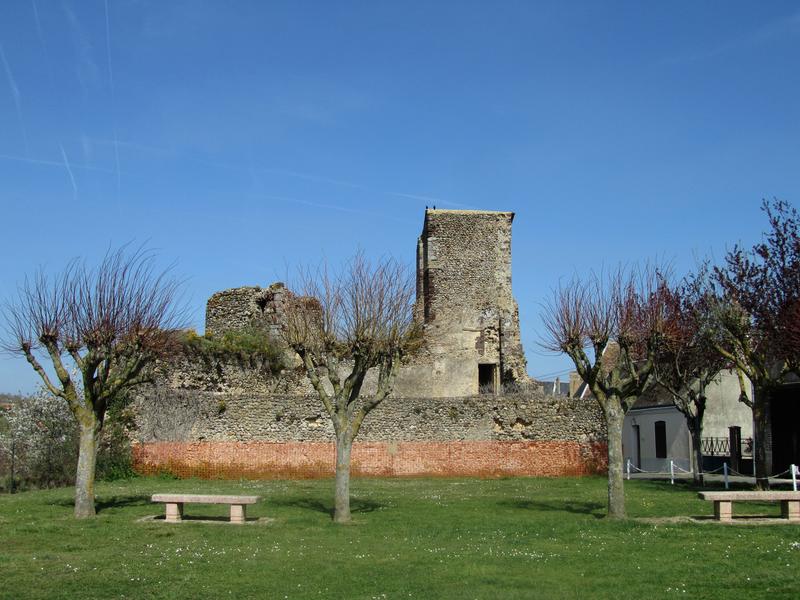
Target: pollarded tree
[
  {"x": 342, "y": 325},
  {"x": 611, "y": 328},
  {"x": 687, "y": 362},
  {"x": 758, "y": 317},
  {"x": 99, "y": 330}
]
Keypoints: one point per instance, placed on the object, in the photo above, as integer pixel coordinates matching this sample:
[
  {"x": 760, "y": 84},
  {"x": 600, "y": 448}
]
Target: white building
[{"x": 655, "y": 432}]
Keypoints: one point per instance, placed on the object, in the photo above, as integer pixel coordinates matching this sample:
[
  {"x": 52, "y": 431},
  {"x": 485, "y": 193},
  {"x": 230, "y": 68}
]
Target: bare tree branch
[
  {"x": 351, "y": 321},
  {"x": 611, "y": 327},
  {"x": 105, "y": 326}
]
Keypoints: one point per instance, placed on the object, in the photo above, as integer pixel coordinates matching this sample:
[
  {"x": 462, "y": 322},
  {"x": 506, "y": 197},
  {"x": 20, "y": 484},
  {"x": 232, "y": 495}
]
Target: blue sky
[{"x": 241, "y": 138}]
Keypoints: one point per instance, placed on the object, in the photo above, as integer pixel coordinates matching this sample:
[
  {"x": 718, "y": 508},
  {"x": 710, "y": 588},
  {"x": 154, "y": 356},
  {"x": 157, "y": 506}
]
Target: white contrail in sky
[
  {"x": 113, "y": 102},
  {"x": 17, "y": 96},
  {"x": 69, "y": 171},
  {"x": 429, "y": 199},
  {"x": 40, "y": 33},
  {"x": 331, "y": 207},
  {"x": 133, "y": 146},
  {"x": 315, "y": 178},
  {"x": 38, "y": 22},
  {"x": 108, "y": 50},
  {"x": 308, "y": 203},
  {"x": 321, "y": 179},
  {"x": 52, "y": 163},
  {"x": 251, "y": 169},
  {"x": 276, "y": 171}
]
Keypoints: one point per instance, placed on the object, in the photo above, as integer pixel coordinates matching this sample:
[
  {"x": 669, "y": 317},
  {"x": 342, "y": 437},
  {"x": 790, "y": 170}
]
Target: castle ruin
[
  {"x": 455, "y": 409},
  {"x": 464, "y": 303}
]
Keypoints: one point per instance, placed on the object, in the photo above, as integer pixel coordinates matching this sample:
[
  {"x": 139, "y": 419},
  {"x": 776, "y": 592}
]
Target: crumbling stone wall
[
  {"x": 186, "y": 415},
  {"x": 201, "y": 398},
  {"x": 232, "y": 374},
  {"x": 241, "y": 308}
]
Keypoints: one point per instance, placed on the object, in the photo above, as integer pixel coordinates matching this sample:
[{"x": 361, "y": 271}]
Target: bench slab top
[
  {"x": 204, "y": 499},
  {"x": 753, "y": 495}
]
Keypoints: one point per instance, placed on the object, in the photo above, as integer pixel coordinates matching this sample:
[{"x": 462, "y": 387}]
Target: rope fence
[{"x": 793, "y": 471}]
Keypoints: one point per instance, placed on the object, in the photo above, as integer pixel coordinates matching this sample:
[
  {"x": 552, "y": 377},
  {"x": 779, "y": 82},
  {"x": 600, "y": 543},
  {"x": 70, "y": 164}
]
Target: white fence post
[
  {"x": 628, "y": 465},
  {"x": 725, "y": 474},
  {"x": 794, "y": 477},
  {"x": 672, "y": 472}
]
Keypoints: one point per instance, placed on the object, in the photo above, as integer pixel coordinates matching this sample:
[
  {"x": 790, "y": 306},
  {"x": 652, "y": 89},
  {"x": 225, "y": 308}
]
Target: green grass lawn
[{"x": 411, "y": 538}]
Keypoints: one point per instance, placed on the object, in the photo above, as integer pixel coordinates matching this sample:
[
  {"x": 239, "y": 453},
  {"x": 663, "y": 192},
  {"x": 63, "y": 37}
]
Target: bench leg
[
  {"x": 723, "y": 510},
  {"x": 237, "y": 513},
  {"x": 174, "y": 512},
  {"x": 790, "y": 509}
]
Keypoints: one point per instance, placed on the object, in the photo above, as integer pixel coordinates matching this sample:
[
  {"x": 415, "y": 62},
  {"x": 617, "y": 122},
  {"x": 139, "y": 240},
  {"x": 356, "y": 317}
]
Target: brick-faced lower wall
[
  {"x": 206, "y": 434},
  {"x": 263, "y": 460}
]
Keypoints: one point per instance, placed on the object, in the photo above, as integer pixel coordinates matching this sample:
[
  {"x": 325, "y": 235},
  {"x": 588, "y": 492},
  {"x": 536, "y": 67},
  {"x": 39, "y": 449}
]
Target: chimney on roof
[{"x": 575, "y": 382}]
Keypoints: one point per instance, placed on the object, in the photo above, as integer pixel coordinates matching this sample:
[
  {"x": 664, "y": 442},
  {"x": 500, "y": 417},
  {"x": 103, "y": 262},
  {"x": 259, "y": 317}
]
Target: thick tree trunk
[
  {"x": 696, "y": 431},
  {"x": 344, "y": 445},
  {"x": 762, "y": 438},
  {"x": 615, "y": 417},
  {"x": 84, "y": 480}
]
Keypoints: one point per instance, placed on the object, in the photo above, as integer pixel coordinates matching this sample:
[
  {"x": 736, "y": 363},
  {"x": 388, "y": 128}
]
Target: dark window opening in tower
[{"x": 487, "y": 378}]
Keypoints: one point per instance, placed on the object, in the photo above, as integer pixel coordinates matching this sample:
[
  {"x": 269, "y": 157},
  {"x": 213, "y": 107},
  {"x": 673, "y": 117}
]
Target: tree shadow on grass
[
  {"x": 122, "y": 502},
  {"x": 356, "y": 506},
  {"x": 102, "y": 504},
  {"x": 688, "y": 485},
  {"x": 200, "y": 518},
  {"x": 595, "y": 509}
]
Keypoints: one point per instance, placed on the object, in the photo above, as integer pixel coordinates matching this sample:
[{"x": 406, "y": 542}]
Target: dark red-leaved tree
[
  {"x": 687, "y": 362},
  {"x": 757, "y": 312}
]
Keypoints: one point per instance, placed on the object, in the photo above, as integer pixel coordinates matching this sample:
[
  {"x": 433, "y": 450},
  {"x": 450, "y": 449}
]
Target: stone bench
[
  {"x": 175, "y": 504},
  {"x": 723, "y": 502}
]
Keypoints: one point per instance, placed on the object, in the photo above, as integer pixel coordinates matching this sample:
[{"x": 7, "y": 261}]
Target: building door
[{"x": 785, "y": 417}]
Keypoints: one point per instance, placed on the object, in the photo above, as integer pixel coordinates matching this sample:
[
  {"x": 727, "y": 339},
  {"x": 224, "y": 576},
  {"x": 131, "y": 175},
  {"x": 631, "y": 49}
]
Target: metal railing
[
  {"x": 793, "y": 471},
  {"x": 721, "y": 446}
]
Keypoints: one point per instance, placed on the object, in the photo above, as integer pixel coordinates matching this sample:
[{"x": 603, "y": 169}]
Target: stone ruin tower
[{"x": 465, "y": 304}]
